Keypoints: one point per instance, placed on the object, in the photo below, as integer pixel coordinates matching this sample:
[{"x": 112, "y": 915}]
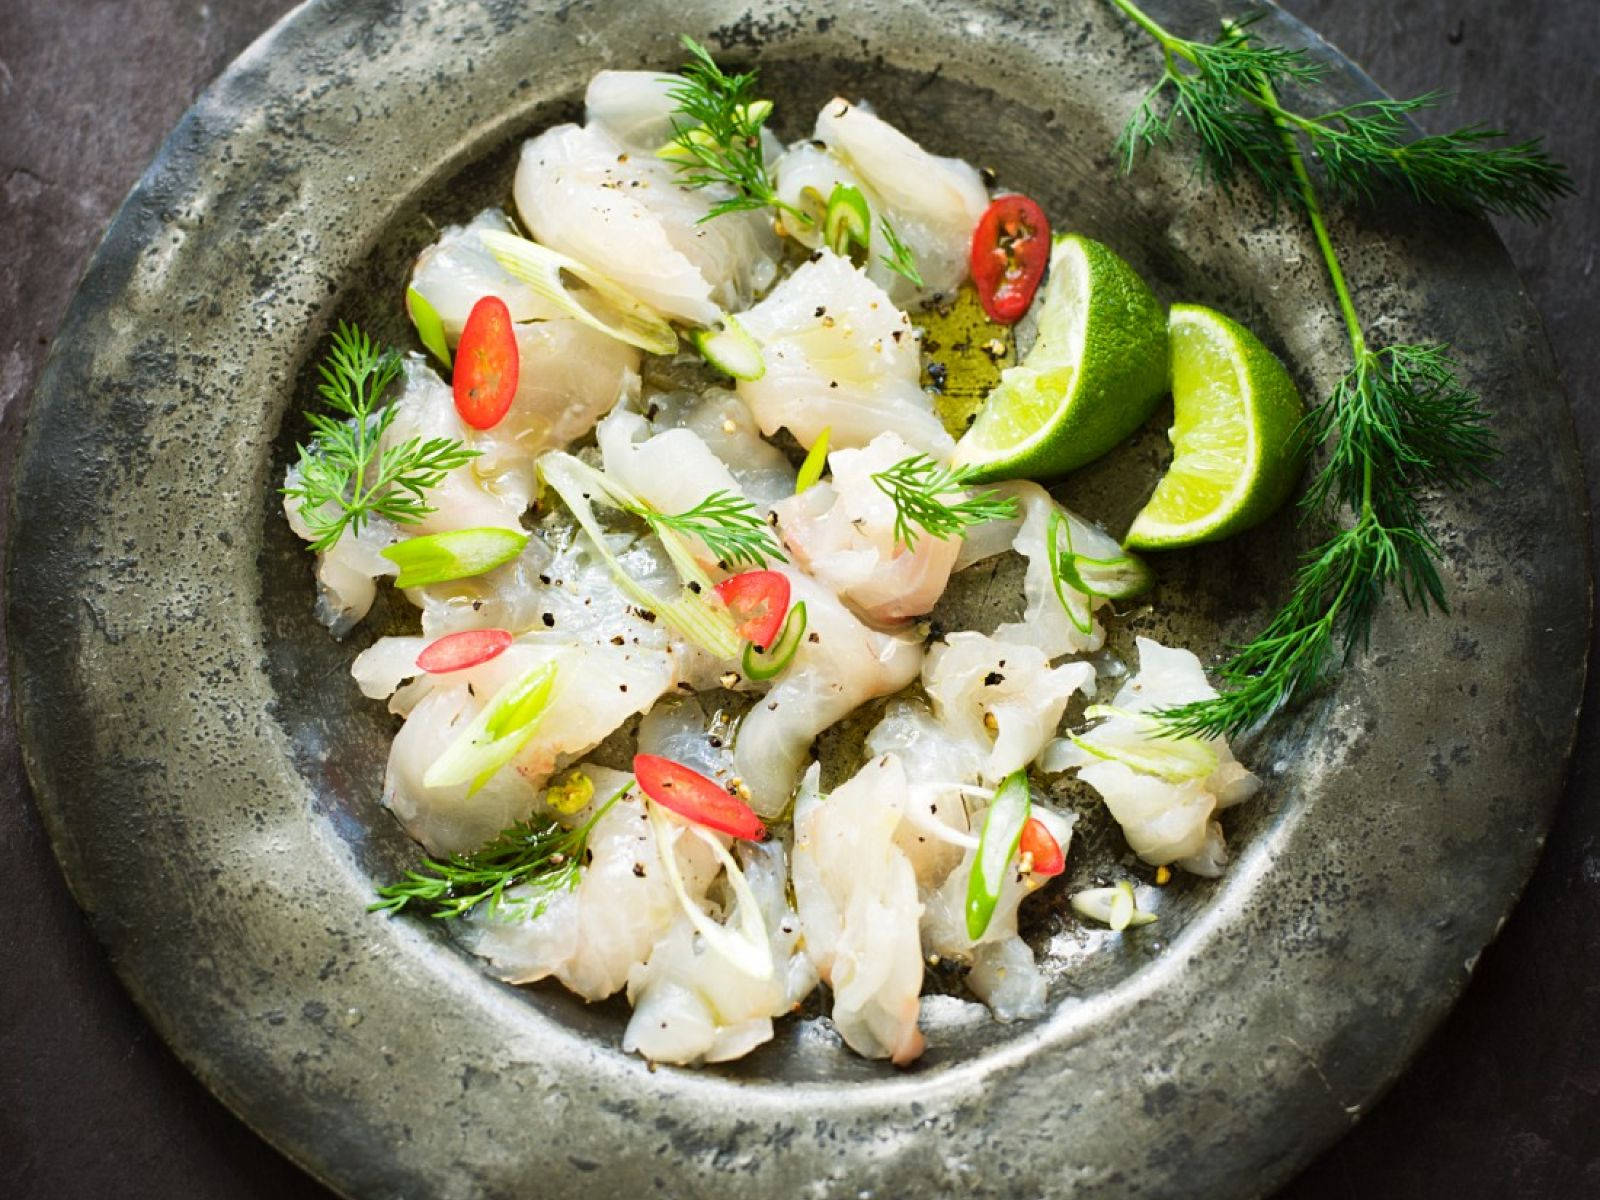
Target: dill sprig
[
  {"x": 900, "y": 259},
  {"x": 716, "y": 136},
  {"x": 344, "y": 480},
  {"x": 1226, "y": 93},
  {"x": 918, "y": 485},
  {"x": 544, "y": 856},
  {"x": 729, "y": 525},
  {"x": 1399, "y": 423}
]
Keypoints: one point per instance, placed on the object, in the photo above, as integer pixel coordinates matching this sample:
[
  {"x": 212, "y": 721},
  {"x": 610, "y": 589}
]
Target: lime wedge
[
  {"x": 1095, "y": 374},
  {"x": 1236, "y": 452}
]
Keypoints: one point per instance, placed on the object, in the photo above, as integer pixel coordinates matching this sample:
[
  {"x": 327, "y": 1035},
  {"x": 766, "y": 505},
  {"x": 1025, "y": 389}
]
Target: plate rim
[{"x": 121, "y": 248}]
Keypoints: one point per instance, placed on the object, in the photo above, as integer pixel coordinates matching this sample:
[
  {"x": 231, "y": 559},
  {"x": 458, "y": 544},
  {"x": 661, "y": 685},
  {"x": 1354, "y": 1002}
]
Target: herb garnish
[
  {"x": 544, "y": 856},
  {"x": 1225, "y": 92},
  {"x": 1399, "y": 422},
  {"x": 716, "y": 136},
  {"x": 716, "y": 142},
  {"x": 900, "y": 260},
  {"x": 341, "y": 486},
  {"x": 916, "y": 485},
  {"x": 729, "y": 526}
]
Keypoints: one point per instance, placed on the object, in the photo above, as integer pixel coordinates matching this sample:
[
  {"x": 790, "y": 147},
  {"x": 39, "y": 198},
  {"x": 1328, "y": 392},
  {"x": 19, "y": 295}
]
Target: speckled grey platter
[{"x": 210, "y": 775}]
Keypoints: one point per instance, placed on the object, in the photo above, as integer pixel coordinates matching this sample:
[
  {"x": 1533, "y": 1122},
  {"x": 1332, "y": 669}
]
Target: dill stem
[
  {"x": 1169, "y": 43},
  {"x": 1330, "y": 257},
  {"x": 1319, "y": 226}
]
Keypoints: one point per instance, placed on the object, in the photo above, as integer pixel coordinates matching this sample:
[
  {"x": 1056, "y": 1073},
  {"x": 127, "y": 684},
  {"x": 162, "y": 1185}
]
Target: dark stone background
[{"x": 1504, "y": 1100}]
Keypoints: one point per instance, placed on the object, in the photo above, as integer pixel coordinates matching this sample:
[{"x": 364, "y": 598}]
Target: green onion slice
[
  {"x": 496, "y": 734},
  {"x": 747, "y": 949},
  {"x": 1112, "y": 578},
  {"x": 848, "y": 221},
  {"x": 582, "y": 292},
  {"x": 816, "y": 459},
  {"x": 1117, "y": 907},
  {"x": 764, "y": 665},
  {"x": 456, "y": 554},
  {"x": 730, "y": 349},
  {"x": 697, "y": 615},
  {"x": 997, "y": 847},
  {"x": 430, "y": 326},
  {"x": 1148, "y": 750}
]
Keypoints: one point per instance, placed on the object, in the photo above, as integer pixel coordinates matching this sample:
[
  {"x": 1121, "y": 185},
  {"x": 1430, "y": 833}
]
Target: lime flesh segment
[
  {"x": 1096, "y": 373},
  {"x": 1236, "y": 451}
]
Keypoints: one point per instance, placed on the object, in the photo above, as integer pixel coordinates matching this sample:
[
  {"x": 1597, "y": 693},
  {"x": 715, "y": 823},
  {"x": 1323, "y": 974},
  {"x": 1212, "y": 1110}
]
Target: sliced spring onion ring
[
  {"x": 495, "y": 735},
  {"x": 761, "y": 666},
  {"x": 693, "y": 614},
  {"x": 455, "y": 554},
  {"x": 582, "y": 292},
  {"x": 1175, "y": 759},
  {"x": 1117, "y": 907},
  {"x": 997, "y": 847},
  {"x": 430, "y": 326},
  {"x": 816, "y": 459},
  {"x": 1111, "y": 578},
  {"x": 748, "y": 949},
  {"x": 848, "y": 221},
  {"x": 730, "y": 349}
]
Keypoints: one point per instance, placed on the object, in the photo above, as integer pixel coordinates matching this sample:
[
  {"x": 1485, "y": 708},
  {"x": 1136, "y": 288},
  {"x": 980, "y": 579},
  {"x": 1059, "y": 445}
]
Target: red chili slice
[
  {"x": 758, "y": 600},
  {"x": 485, "y": 378},
  {"x": 1041, "y": 843},
  {"x": 1010, "y": 250},
  {"x": 458, "y": 651},
  {"x": 695, "y": 798}
]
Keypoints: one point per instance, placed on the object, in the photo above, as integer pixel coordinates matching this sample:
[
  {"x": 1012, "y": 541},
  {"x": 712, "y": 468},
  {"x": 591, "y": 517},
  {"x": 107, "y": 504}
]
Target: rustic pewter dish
[{"x": 210, "y": 775}]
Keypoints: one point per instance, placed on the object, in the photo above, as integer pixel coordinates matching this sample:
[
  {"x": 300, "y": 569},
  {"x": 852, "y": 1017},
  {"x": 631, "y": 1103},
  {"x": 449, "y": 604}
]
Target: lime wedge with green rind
[
  {"x": 1095, "y": 374},
  {"x": 1236, "y": 449}
]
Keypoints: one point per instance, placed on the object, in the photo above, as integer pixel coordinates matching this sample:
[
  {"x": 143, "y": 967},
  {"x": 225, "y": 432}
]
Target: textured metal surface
[{"x": 374, "y": 1054}]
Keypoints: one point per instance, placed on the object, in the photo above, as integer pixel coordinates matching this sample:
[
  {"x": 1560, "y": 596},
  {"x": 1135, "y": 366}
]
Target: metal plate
[{"x": 209, "y": 775}]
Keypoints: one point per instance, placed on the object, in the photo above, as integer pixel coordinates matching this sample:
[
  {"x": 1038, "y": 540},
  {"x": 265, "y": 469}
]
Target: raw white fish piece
[
  {"x": 457, "y": 271},
  {"x": 723, "y": 422},
  {"x": 581, "y": 192},
  {"x": 986, "y": 689},
  {"x": 1165, "y": 820},
  {"x": 804, "y": 178},
  {"x": 940, "y": 768},
  {"x": 1006, "y": 977},
  {"x": 843, "y": 533},
  {"x": 680, "y": 728},
  {"x": 1045, "y": 623},
  {"x": 591, "y": 937},
  {"x": 1004, "y": 974},
  {"x": 857, "y": 898},
  {"x": 596, "y": 689},
  {"x": 673, "y": 471},
  {"x": 347, "y": 573},
  {"x": 839, "y": 355},
  {"x": 635, "y": 107},
  {"x": 437, "y": 708},
  {"x": 690, "y": 1004},
  {"x": 841, "y": 664},
  {"x": 933, "y": 202},
  {"x": 425, "y": 407},
  {"x": 569, "y": 376}
]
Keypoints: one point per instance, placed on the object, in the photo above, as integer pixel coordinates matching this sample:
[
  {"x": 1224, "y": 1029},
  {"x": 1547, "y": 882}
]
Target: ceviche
[{"x": 675, "y": 489}]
